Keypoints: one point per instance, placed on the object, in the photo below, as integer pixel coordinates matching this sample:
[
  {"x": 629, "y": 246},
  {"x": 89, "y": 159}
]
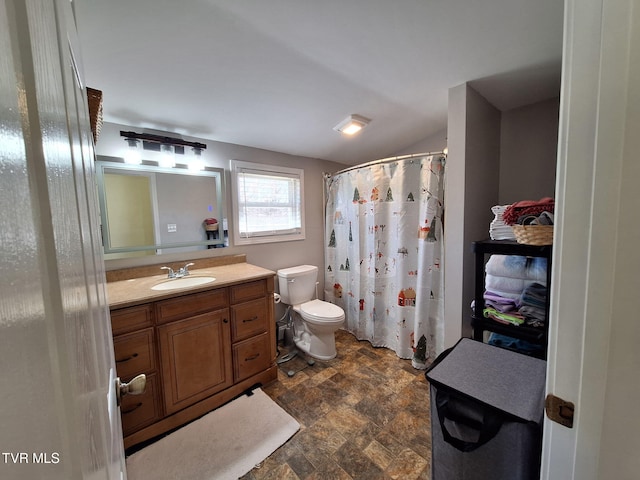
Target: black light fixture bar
[{"x": 153, "y": 142}]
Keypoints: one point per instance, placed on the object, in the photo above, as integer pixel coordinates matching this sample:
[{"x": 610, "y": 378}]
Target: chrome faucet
[
  {"x": 184, "y": 271},
  {"x": 171, "y": 273}
]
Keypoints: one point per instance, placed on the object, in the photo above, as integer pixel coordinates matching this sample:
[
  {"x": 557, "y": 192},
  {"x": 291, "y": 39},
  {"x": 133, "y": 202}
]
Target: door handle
[{"x": 135, "y": 387}]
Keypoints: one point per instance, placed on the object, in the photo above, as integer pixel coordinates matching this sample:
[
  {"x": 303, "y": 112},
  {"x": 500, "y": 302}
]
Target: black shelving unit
[{"x": 480, "y": 324}]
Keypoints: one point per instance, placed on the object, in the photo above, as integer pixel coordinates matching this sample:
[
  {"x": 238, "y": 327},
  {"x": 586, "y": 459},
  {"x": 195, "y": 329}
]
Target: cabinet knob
[{"x": 224, "y": 320}]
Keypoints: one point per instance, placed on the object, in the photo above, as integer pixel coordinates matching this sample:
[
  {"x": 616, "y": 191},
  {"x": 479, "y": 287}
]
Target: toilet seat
[{"x": 319, "y": 311}]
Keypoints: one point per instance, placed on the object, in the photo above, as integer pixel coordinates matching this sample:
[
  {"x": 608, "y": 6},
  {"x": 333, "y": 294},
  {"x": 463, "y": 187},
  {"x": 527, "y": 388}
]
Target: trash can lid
[{"x": 509, "y": 381}]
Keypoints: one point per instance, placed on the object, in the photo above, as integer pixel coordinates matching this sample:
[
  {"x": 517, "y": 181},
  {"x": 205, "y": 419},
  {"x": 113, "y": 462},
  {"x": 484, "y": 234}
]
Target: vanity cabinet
[{"x": 198, "y": 350}]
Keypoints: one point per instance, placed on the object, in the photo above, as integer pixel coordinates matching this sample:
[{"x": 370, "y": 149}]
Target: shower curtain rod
[{"x": 387, "y": 160}]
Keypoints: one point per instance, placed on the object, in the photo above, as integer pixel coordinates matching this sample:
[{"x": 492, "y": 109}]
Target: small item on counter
[{"x": 210, "y": 224}]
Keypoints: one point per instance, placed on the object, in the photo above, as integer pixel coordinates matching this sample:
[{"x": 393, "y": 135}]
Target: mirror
[{"x": 146, "y": 209}]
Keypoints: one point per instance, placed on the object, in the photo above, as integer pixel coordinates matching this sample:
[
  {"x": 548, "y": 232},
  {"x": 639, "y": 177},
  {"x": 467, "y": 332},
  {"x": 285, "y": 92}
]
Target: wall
[
  {"x": 433, "y": 143},
  {"x": 271, "y": 255},
  {"x": 528, "y": 140},
  {"x": 490, "y": 152},
  {"x": 471, "y": 190}
]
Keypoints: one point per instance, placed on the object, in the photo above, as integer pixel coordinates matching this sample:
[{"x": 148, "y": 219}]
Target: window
[{"x": 268, "y": 203}]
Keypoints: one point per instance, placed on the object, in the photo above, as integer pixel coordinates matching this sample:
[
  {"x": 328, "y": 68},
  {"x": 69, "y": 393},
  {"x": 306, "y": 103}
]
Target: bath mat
[{"x": 224, "y": 444}]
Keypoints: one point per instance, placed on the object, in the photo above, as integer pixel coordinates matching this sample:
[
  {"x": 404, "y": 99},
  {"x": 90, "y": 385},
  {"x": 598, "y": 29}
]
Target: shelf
[
  {"x": 530, "y": 334},
  {"x": 510, "y": 247},
  {"x": 481, "y": 324}
]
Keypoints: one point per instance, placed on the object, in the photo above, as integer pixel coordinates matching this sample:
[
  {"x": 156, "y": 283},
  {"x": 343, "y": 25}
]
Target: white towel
[
  {"x": 496, "y": 283},
  {"x": 498, "y": 230},
  {"x": 517, "y": 266},
  {"x": 511, "y": 266}
]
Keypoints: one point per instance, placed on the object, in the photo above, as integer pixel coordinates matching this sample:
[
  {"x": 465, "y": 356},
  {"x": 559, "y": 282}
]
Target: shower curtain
[{"x": 384, "y": 251}]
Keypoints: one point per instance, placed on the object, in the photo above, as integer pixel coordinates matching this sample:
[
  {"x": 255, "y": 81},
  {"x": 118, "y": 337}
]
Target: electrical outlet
[{"x": 172, "y": 228}]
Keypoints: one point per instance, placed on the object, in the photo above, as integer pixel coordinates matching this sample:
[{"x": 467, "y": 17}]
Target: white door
[
  {"x": 58, "y": 412},
  {"x": 594, "y": 355}
]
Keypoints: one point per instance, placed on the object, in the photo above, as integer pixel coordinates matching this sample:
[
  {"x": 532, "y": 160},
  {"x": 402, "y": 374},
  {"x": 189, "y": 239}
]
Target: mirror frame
[{"x": 103, "y": 163}]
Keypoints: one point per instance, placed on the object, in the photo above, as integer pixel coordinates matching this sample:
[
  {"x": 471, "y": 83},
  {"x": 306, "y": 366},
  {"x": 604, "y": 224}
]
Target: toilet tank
[{"x": 297, "y": 284}]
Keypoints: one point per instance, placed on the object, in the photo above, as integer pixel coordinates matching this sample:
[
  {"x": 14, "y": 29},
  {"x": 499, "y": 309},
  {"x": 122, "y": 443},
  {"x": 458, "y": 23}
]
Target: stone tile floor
[{"x": 362, "y": 415}]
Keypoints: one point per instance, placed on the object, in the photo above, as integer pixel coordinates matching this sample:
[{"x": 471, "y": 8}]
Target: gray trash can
[{"x": 487, "y": 406}]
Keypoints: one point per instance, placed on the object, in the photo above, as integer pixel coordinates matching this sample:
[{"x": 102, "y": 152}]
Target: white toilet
[{"x": 315, "y": 321}]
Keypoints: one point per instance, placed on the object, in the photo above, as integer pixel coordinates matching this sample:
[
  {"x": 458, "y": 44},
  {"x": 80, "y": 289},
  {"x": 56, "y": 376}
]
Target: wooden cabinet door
[{"x": 195, "y": 355}]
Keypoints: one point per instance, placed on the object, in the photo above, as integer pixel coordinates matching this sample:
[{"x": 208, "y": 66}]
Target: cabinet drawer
[
  {"x": 248, "y": 291},
  {"x": 130, "y": 319},
  {"x": 251, "y": 357},
  {"x": 189, "y": 305},
  {"x": 138, "y": 411},
  {"x": 134, "y": 353},
  {"x": 249, "y": 319}
]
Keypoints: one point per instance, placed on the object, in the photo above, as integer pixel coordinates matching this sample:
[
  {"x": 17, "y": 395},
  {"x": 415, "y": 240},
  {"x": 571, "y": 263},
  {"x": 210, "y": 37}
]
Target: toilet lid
[{"x": 319, "y": 310}]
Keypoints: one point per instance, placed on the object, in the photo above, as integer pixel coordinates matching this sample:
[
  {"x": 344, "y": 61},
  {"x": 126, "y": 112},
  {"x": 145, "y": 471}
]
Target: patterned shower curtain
[{"x": 384, "y": 251}]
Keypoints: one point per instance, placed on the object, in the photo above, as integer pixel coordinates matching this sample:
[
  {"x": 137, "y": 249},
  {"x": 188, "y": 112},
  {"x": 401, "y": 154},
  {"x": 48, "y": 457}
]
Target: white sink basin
[{"x": 183, "y": 282}]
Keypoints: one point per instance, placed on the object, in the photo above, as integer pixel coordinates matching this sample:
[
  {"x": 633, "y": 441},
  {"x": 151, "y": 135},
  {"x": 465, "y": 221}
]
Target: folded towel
[
  {"x": 496, "y": 283},
  {"x": 527, "y": 207},
  {"x": 511, "y": 266},
  {"x": 533, "y": 313},
  {"x": 503, "y": 341},
  {"x": 514, "y": 296},
  {"x": 498, "y": 230},
  {"x": 491, "y": 296},
  {"x": 517, "y": 266},
  {"x": 534, "y": 295},
  {"x": 537, "y": 269},
  {"x": 512, "y": 318},
  {"x": 500, "y": 306}
]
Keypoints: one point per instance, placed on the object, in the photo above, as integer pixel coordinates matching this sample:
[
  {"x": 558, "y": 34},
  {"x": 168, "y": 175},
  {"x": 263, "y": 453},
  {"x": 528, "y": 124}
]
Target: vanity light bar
[{"x": 153, "y": 142}]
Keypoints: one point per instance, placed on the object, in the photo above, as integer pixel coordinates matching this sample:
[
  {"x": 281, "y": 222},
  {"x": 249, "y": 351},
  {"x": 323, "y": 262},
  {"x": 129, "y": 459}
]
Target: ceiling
[{"x": 280, "y": 74}]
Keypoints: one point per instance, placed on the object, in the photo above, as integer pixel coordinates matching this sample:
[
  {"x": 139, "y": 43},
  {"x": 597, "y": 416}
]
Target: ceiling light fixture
[
  {"x": 168, "y": 146},
  {"x": 352, "y": 124}
]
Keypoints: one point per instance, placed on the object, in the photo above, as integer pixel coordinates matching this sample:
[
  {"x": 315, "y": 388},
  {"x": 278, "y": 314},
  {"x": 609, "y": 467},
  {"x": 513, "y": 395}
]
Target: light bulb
[
  {"x": 196, "y": 163},
  {"x": 167, "y": 158},
  {"x": 132, "y": 153}
]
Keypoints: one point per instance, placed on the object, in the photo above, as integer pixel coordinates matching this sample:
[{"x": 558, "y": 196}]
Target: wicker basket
[
  {"x": 94, "y": 97},
  {"x": 533, "y": 234}
]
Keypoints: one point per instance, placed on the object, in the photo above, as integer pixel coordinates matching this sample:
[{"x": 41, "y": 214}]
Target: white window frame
[{"x": 237, "y": 168}]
